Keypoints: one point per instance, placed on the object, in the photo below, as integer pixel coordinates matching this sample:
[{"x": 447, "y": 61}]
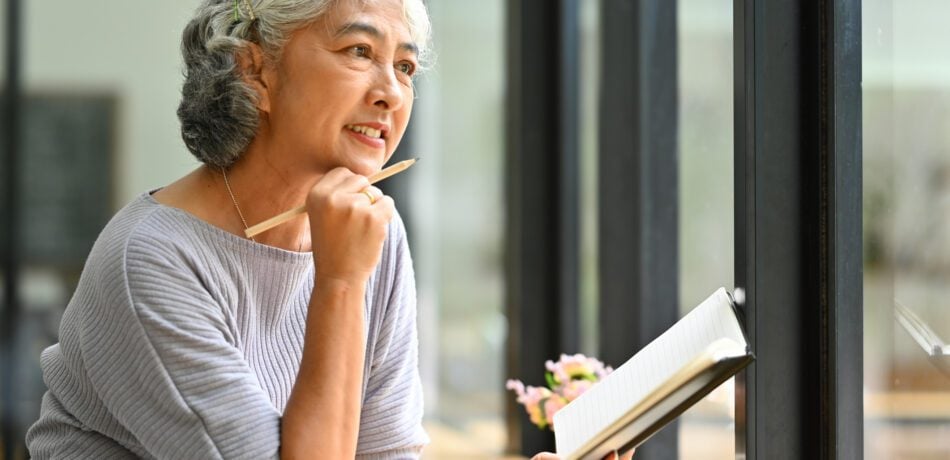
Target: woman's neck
[
  {"x": 262, "y": 190},
  {"x": 258, "y": 190}
]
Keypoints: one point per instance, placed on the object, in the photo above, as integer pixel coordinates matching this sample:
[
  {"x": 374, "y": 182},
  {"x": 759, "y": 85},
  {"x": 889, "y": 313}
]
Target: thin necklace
[{"x": 227, "y": 184}]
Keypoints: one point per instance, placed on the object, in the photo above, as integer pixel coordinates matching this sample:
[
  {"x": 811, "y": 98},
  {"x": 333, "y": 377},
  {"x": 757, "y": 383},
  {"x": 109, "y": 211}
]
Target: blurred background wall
[{"x": 127, "y": 51}]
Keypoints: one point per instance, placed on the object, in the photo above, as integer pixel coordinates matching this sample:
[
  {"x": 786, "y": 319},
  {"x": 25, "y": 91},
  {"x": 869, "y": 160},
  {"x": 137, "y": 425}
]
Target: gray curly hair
[{"x": 218, "y": 110}]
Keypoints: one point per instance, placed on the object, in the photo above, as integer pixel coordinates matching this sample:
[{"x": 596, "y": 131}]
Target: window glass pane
[
  {"x": 589, "y": 61},
  {"x": 706, "y": 197},
  {"x": 456, "y": 196},
  {"x": 906, "y": 81}
]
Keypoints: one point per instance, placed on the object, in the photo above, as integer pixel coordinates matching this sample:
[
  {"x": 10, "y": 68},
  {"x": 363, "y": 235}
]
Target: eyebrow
[{"x": 369, "y": 29}]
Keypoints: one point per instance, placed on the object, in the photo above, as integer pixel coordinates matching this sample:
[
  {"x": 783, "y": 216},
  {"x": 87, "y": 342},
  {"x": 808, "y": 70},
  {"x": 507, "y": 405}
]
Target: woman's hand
[
  {"x": 610, "y": 456},
  {"x": 349, "y": 219}
]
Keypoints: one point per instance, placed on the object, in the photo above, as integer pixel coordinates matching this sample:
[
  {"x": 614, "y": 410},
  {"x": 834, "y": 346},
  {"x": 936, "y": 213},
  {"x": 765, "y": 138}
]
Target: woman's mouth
[
  {"x": 373, "y": 137},
  {"x": 366, "y": 130}
]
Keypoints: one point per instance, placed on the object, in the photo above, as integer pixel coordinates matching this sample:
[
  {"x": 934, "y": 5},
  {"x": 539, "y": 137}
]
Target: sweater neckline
[{"x": 234, "y": 241}]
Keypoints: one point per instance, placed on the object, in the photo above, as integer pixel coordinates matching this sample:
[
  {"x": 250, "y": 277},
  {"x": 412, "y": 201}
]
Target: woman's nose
[{"x": 387, "y": 91}]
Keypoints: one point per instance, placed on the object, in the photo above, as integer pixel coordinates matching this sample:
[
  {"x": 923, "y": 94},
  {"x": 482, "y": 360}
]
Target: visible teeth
[{"x": 365, "y": 130}]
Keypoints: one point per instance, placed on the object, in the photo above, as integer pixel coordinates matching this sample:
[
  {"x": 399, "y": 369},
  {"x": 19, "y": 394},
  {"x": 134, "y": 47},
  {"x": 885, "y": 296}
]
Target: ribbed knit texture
[{"x": 183, "y": 341}]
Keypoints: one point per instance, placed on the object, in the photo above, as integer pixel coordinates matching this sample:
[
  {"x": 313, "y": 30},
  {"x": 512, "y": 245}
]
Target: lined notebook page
[{"x": 620, "y": 391}]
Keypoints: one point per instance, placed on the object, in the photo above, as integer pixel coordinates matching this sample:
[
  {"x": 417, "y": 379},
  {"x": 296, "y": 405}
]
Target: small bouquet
[{"x": 567, "y": 379}]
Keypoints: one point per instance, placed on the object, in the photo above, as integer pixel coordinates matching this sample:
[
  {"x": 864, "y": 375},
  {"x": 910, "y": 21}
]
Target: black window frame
[
  {"x": 798, "y": 213},
  {"x": 798, "y": 227},
  {"x": 541, "y": 198},
  {"x": 10, "y": 434},
  {"x": 638, "y": 186}
]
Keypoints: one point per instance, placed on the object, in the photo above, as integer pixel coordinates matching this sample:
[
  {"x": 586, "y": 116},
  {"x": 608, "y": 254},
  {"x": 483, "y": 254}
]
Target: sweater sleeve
[
  {"x": 56, "y": 435},
  {"x": 163, "y": 362},
  {"x": 391, "y": 424}
]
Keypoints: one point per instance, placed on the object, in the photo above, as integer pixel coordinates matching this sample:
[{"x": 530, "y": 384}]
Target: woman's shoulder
[
  {"x": 146, "y": 237},
  {"x": 146, "y": 223},
  {"x": 134, "y": 245},
  {"x": 145, "y": 253}
]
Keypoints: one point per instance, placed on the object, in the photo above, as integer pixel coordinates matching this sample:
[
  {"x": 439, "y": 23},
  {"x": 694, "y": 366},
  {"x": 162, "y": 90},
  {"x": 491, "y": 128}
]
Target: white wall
[{"x": 126, "y": 47}]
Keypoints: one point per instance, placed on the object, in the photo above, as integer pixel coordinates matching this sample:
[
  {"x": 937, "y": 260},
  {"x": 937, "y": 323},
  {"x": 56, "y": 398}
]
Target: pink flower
[
  {"x": 532, "y": 399},
  {"x": 560, "y": 373},
  {"x": 575, "y": 388},
  {"x": 534, "y": 395},
  {"x": 568, "y": 378},
  {"x": 551, "y": 406},
  {"x": 515, "y": 385},
  {"x": 536, "y": 416},
  {"x": 571, "y": 367}
]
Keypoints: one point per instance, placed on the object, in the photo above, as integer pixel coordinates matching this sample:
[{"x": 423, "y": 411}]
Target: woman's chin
[{"x": 365, "y": 167}]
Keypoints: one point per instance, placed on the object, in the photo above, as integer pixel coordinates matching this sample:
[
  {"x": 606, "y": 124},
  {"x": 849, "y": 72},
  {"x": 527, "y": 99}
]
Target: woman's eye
[
  {"x": 360, "y": 50},
  {"x": 406, "y": 68}
]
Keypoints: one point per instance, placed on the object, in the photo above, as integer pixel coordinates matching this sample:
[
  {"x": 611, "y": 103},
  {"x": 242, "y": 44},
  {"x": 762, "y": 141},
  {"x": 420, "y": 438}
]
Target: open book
[{"x": 703, "y": 349}]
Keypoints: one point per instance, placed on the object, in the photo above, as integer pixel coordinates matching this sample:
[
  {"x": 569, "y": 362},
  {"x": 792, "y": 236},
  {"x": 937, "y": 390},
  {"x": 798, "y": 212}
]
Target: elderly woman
[{"x": 185, "y": 339}]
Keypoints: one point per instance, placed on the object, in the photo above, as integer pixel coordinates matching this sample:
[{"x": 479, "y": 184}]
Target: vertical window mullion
[
  {"x": 776, "y": 251},
  {"x": 798, "y": 227},
  {"x": 10, "y": 435},
  {"x": 843, "y": 283},
  {"x": 541, "y": 199},
  {"x": 638, "y": 185},
  {"x": 744, "y": 228}
]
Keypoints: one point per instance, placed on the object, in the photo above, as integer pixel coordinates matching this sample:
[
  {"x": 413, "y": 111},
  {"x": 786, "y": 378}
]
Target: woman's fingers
[
  {"x": 626, "y": 456},
  {"x": 611, "y": 456},
  {"x": 340, "y": 185},
  {"x": 372, "y": 194},
  {"x": 349, "y": 220},
  {"x": 545, "y": 456}
]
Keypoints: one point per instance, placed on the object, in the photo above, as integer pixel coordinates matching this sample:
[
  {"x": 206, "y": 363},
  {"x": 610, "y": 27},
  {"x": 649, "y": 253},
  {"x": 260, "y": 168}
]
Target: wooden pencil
[{"x": 287, "y": 215}]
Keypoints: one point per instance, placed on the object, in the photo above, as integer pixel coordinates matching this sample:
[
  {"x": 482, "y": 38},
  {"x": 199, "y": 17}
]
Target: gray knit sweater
[{"x": 183, "y": 341}]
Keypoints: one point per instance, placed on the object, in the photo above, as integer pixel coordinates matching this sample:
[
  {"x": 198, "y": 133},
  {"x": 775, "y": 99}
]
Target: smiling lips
[
  {"x": 366, "y": 131},
  {"x": 369, "y": 135}
]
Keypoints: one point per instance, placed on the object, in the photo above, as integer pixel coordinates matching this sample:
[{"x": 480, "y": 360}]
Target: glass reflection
[
  {"x": 457, "y": 233},
  {"x": 706, "y": 197},
  {"x": 906, "y": 229}
]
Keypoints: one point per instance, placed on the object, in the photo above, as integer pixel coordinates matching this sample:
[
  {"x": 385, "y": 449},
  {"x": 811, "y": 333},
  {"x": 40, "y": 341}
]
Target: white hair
[{"x": 218, "y": 110}]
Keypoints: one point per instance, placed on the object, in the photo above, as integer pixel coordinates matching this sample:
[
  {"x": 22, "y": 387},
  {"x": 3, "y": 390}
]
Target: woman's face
[{"x": 341, "y": 93}]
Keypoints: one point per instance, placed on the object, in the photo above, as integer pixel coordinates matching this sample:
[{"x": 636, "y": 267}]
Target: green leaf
[
  {"x": 591, "y": 377},
  {"x": 552, "y": 381}
]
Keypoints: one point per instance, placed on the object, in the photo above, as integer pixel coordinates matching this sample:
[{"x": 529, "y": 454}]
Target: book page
[{"x": 609, "y": 400}]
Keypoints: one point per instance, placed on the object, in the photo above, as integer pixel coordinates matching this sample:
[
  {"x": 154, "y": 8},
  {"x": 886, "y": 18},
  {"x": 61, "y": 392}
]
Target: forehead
[{"x": 385, "y": 16}]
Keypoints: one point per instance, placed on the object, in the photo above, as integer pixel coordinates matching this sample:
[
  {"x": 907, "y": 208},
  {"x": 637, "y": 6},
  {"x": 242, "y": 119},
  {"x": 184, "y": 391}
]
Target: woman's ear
[{"x": 252, "y": 67}]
